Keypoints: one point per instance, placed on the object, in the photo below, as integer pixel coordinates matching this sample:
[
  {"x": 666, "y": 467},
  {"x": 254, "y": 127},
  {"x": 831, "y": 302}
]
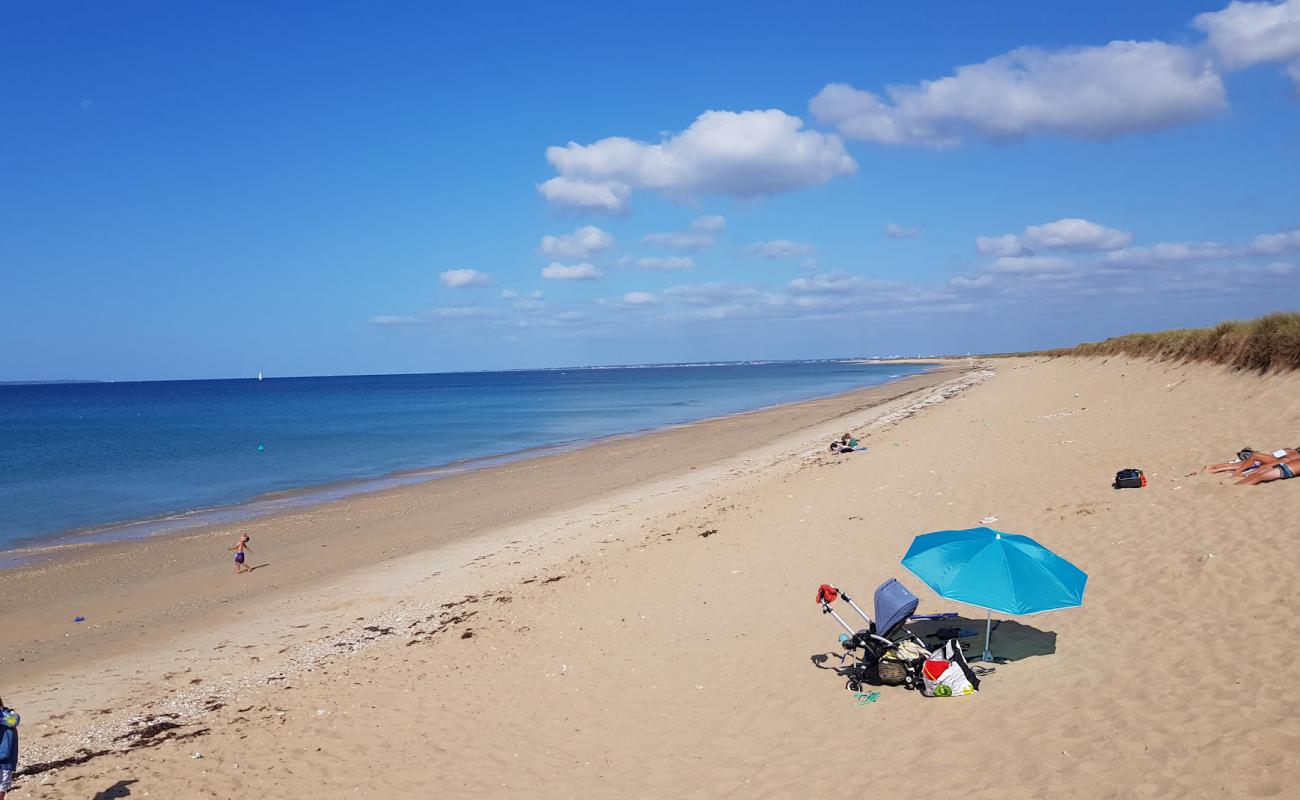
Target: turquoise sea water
[{"x": 176, "y": 453}]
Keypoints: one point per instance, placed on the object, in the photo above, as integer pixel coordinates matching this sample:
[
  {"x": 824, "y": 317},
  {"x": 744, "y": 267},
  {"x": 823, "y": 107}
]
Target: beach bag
[
  {"x": 1130, "y": 479},
  {"x": 946, "y": 674}
]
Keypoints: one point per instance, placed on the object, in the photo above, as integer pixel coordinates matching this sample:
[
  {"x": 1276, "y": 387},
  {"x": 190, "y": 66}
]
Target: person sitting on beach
[
  {"x": 240, "y": 549},
  {"x": 8, "y": 748},
  {"x": 1273, "y": 469},
  {"x": 844, "y": 444}
]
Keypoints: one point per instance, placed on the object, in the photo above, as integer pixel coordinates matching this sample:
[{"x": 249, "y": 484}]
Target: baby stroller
[{"x": 884, "y": 652}]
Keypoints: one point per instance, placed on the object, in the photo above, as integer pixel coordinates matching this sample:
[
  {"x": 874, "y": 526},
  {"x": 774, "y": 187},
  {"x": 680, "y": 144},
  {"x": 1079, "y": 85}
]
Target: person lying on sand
[
  {"x": 240, "y": 549},
  {"x": 1275, "y": 469},
  {"x": 1248, "y": 460}
]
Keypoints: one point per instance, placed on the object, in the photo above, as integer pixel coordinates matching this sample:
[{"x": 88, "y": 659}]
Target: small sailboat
[{"x": 259, "y": 374}]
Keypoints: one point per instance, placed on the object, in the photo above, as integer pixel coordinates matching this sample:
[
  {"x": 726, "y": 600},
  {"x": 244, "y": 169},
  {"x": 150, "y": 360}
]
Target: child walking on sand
[
  {"x": 240, "y": 550},
  {"x": 8, "y": 748}
]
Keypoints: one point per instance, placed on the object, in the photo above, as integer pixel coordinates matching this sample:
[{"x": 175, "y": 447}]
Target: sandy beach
[{"x": 637, "y": 618}]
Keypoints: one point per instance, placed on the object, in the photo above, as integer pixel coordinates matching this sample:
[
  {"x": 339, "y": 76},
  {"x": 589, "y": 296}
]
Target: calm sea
[{"x": 175, "y": 453}]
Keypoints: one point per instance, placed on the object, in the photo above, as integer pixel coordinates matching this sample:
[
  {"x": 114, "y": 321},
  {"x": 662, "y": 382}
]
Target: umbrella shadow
[{"x": 1012, "y": 640}]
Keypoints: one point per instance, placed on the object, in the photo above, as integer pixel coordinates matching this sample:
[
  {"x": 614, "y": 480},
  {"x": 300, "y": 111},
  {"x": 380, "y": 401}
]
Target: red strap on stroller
[{"x": 827, "y": 593}]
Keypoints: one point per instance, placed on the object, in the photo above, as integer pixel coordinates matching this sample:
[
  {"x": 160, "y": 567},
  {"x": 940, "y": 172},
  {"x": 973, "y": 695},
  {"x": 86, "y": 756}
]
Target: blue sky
[{"x": 203, "y": 190}]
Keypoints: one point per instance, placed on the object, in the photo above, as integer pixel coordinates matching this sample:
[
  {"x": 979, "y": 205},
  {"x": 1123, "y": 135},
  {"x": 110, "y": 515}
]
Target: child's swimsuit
[{"x": 239, "y": 558}]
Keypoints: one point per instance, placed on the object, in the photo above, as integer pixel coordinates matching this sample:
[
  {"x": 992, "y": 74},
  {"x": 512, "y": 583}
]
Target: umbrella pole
[{"x": 988, "y": 632}]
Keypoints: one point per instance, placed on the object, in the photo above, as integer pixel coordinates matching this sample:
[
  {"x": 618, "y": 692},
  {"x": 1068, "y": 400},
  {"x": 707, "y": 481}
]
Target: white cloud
[
  {"x": 394, "y": 319},
  {"x": 639, "y": 299},
  {"x": 710, "y": 223},
  {"x": 581, "y": 195},
  {"x": 535, "y": 294},
  {"x": 742, "y": 154},
  {"x": 972, "y": 281},
  {"x": 1007, "y": 244},
  {"x": 1071, "y": 233},
  {"x": 666, "y": 262},
  {"x": 583, "y": 243},
  {"x": 895, "y": 231},
  {"x": 1265, "y": 244},
  {"x": 1071, "y": 265},
  {"x": 834, "y": 284},
  {"x": 1081, "y": 92},
  {"x": 703, "y": 232},
  {"x": 462, "y": 312},
  {"x": 1244, "y": 34},
  {"x": 575, "y": 272},
  {"x": 780, "y": 248},
  {"x": 1170, "y": 252},
  {"x": 1276, "y": 243},
  {"x": 1031, "y": 264},
  {"x": 708, "y": 292},
  {"x": 463, "y": 278},
  {"x": 679, "y": 240},
  {"x": 509, "y": 294},
  {"x": 1067, "y": 271}
]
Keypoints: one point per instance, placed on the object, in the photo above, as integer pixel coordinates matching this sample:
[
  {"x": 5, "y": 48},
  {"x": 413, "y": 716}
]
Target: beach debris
[
  {"x": 78, "y": 619},
  {"x": 196, "y": 755},
  {"x": 989, "y": 520},
  {"x": 81, "y": 757},
  {"x": 708, "y": 533}
]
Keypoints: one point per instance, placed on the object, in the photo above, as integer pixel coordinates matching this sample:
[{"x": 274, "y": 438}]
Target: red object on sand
[
  {"x": 933, "y": 669},
  {"x": 827, "y": 593}
]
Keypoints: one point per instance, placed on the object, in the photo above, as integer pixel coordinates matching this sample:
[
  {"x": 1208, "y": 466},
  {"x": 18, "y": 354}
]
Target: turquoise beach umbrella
[{"x": 997, "y": 571}]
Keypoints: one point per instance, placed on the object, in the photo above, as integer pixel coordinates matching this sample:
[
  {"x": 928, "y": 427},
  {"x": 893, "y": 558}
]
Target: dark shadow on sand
[
  {"x": 848, "y": 668},
  {"x": 1012, "y": 640},
  {"x": 119, "y": 789}
]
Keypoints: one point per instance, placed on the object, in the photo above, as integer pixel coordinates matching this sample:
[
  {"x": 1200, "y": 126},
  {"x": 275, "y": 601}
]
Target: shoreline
[
  {"x": 580, "y": 629},
  {"x": 37, "y": 547},
  {"x": 145, "y": 595}
]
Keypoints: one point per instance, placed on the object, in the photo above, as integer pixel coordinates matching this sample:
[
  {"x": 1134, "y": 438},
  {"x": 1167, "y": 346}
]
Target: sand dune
[{"x": 661, "y": 640}]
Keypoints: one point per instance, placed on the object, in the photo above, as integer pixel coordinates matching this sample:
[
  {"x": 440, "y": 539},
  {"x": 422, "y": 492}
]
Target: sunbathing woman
[
  {"x": 1274, "y": 469},
  {"x": 1248, "y": 460}
]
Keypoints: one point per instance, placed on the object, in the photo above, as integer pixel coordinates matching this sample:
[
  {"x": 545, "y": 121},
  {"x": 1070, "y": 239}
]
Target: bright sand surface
[{"x": 637, "y": 619}]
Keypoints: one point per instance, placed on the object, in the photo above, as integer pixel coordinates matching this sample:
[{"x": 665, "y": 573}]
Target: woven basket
[{"x": 892, "y": 672}]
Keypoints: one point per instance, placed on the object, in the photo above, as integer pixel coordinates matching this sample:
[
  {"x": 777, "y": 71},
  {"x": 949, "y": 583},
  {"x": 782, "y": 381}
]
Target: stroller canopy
[{"x": 894, "y": 604}]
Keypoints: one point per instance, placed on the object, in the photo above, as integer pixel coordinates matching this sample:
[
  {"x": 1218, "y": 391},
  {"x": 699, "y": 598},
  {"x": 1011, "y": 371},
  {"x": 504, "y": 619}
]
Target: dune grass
[{"x": 1265, "y": 344}]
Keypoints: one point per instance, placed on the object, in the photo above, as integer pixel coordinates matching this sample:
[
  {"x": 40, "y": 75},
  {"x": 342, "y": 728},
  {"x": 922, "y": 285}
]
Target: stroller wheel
[{"x": 853, "y": 686}]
